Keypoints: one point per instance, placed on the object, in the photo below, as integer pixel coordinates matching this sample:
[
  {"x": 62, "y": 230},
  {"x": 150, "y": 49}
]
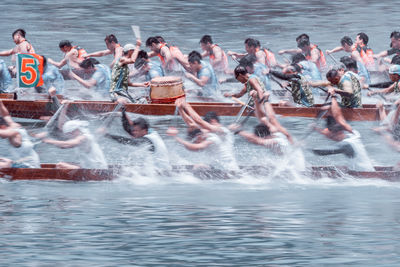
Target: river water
[{"x": 149, "y": 220}]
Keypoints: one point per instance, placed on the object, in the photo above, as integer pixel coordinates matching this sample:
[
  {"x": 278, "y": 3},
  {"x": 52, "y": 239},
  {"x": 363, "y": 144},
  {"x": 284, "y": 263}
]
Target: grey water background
[{"x": 148, "y": 220}]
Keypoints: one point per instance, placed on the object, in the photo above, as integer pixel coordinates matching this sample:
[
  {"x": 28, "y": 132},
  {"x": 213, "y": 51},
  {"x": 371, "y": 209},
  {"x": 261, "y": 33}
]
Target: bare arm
[
  {"x": 200, "y": 82},
  {"x": 198, "y": 120},
  {"x": 334, "y": 50},
  {"x": 290, "y": 51},
  {"x": 58, "y": 64},
  {"x": 260, "y": 55},
  {"x": 356, "y": 56},
  {"x": 101, "y": 53},
  {"x": 87, "y": 83},
  {"x": 338, "y": 115},
  {"x": 66, "y": 144},
  {"x": 7, "y": 53},
  {"x": 193, "y": 146},
  {"x": 315, "y": 54},
  {"x": 381, "y": 54},
  {"x": 388, "y": 90}
]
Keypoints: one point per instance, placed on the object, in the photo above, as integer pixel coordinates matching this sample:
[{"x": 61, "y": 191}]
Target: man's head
[
  {"x": 241, "y": 74},
  {"x": 395, "y": 39},
  {"x": 292, "y": 69},
  {"x": 89, "y": 65},
  {"x": 140, "y": 127},
  {"x": 18, "y": 35},
  {"x": 160, "y": 39},
  {"x": 346, "y": 43},
  {"x": 250, "y": 45},
  {"x": 111, "y": 41},
  {"x": 196, "y": 135},
  {"x": 362, "y": 38},
  {"x": 302, "y": 36},
  {"x": 299, "y": 57},
  {"x": 206, "y": 42},
  {"x": 129, "y": 49},
  {"x": 194, "y": 59},
  {"x": 262, "y": 130},
  {"x": 350, "y": 63},
  {"x": 394, "y": 73},
  {"x": 211, "y": 117},
  {"x": 142, "y": 62},
  {"x": 334, "y": 76},
  {"x": 395, "y": 60},
  {"x": 248, "y": 62},
  {"x": 153, "y": 43},
  {"x": 303, "y": 44},
  {"x": 65, "y": 46}
]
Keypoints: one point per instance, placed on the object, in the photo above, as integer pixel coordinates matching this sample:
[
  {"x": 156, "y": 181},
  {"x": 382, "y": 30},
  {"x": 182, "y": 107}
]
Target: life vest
[
  {"x": 224, "y": 63},
  {"x": 81, "y": 52},
  {"x": 321, "y": 63},
  {"x": 269, "y": 58},
  {"x": 160, "y": 56},
  {"x": 173, "y": 50},
  {"x": 366, "y": 54}
]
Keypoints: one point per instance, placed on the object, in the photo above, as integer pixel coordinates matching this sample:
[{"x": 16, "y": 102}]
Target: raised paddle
[{"x": 136, "y": 31}]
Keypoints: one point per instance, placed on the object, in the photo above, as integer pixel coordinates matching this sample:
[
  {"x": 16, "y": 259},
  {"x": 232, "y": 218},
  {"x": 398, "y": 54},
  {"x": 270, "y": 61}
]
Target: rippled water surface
[{"x": 180, "y": 220}]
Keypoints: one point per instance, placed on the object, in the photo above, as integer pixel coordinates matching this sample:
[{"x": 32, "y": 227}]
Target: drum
[{"x": 165, "y": 90}]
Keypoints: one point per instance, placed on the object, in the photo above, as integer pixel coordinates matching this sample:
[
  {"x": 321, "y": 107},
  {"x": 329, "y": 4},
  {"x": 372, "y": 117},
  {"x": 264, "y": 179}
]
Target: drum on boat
[{"x": 165, "y": 90}]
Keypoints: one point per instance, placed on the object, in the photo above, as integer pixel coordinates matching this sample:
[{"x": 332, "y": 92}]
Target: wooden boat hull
[
  {"x": 49, "y": 172},
  {"x": 38, "y": 108}
]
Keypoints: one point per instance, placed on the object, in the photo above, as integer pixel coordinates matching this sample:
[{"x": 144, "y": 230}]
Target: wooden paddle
[{"x": 136, "y": 31}]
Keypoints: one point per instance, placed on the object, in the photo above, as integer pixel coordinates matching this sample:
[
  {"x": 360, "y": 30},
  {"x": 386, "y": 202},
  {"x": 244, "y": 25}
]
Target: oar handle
[{"x": 241, "y": 102}]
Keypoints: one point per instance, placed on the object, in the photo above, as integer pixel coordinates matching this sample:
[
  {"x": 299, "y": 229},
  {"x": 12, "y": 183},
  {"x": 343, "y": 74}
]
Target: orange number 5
[{"x": 28, "y": 72}]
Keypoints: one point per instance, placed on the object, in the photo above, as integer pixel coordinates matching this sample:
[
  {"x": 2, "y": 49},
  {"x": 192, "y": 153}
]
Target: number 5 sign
[{"x": 29, "y": 70}]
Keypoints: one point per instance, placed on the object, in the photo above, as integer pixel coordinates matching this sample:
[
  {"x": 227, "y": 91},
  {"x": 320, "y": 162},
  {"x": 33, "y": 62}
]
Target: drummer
[{"x": 203, "y": 75}]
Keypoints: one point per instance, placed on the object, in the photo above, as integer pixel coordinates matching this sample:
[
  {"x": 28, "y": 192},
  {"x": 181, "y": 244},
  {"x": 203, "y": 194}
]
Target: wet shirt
[
  {"x": 155, "y": 71},
  {"x": 363, "y": 72},
  {"x": 25, "y": 154},
  {"x": 353, "y": 101},
  {"x": 102, "y": 78},
  {"x": 5, "y": 78},
  {"x": 53, "y": 78},
  {"x": 259, "y": 70},
  {"x": 310, "y": 70},
  {"x": 210, "y": 88},
  {"x": 249, "y": 88}
]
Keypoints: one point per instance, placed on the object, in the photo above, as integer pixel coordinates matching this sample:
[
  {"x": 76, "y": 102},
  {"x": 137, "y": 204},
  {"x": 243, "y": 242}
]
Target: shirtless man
[
  {"x": 252, "y": 48},
  {"x": 73, "y": 56},
  {"x": 22, "y": 46},
  {"x": 113, "y": 48},
  {"x": 218, "y": 58}
]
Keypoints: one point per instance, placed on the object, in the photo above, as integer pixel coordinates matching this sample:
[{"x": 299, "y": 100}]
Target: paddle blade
[{"x": 136, "y": 31}]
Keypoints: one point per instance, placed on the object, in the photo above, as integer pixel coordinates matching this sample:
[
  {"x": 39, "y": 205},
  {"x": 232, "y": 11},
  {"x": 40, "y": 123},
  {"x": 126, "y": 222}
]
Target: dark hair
[
  {"x": 194, "y": 56},
  {"x": 332, "y": 125},
  {"x": 44, "y": 61},
  {"x": 303, "y": 42},
  {"x": 151, "y": 40},
  {"x": 141, "y": 59},
  {"x": 363, "y": 37},
  {"x": 258, "y": 43},
  {"x": 251, "y": 42},
  {"x": 248, "y": 61},
  {"x": 3, "y": 121},
  {"x": 395, "y": 35},
  {"x": 21, "y": 32},
  {"x": 302, "y": 36},
  {"x": 89, "y": 63},
  {"x": 296, "y": 67},
  {"x": 142, "y": 123},
  {"x": 240, "y": 69},
  {"x": 111, "y": 38},
  {"x": 349, "y": 62},
  {"x": 160, "y": 39},
  {"x": 206, "y": 39},
  {"x": 395, "y": 60},
  {"x": 211, "y": 115},
  {"x": 64, "y": 43},
  {"x": 193, "y": 133},
  {"x": 262, "y": 130},
  {"x": 298, "y": 58},
  {"x": 331, "y": 74},
  {"x": 346, "y": 40}
]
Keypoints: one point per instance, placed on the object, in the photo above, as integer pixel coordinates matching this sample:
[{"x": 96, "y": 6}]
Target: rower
[
  {"x": 394, "y": 74},
  {"x": 203, "y": 74},
  {"x": 120, "y": 73},
  {"x": 169, "y": 63},
  {"x": 213, "y": 137},
  {"x": 271, "y": 134},
  {"x": 366, "y": 53},
  {"x": 142, "y": 135},
  {"x": 53, "y": 81},
  {"x": 5, "y": 78},
  {"x": 22, "y": 46},
  {"x": 113, "y": 48},
  {"x": 394, "y": 46},
  {"x": 348, "y": 86},
  {"x": 147, "y": 68},
  {"x": 310, "y": 51},
  {"x": 252, "y": 48},
  {"x": 254, "y": 67},
  {"x": 300, "y": 87},
  {"x": 21, "y": 148},
  {"x": 99, "y": 76},
  {"x": 218, "y": 58},
  {"x": 309, "y": 70},
  {"x": 176, "y": 53},
  {"x": 270, "y": 60},
  {"x": 357, "y": 68},
  {"x": 87, "y": 151},
  {"x": 73, "y": 56},
  {"x": 251, "y": 82},
  {"x": 348, "y": 46},
  {"x": 348, "y": 139}
]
